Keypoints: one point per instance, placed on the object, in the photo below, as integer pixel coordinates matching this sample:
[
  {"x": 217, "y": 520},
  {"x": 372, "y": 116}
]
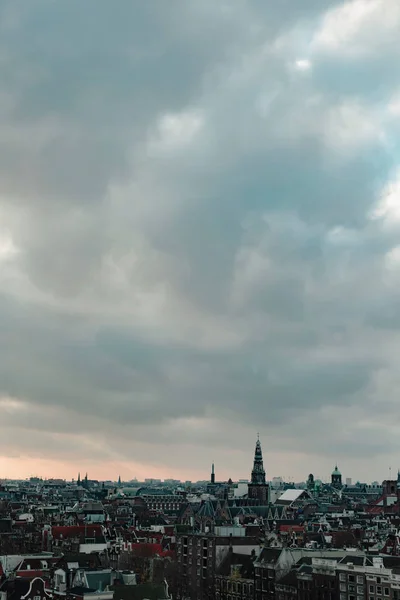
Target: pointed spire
[
  {"x": 212, "y": 473},
  {"x": 258, "y": 472},
  {"x": 79, "y": 479},
  {"x": 119, "y": 480}
]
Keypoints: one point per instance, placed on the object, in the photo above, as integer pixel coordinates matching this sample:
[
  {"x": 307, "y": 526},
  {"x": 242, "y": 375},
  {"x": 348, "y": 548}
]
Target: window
[
  {"x": 378, "y": 589},
  {"x": 342, "y": 587},
  {"x": 351, "y": 588},
  {"x": 360, "y": 589},
  {"x": 371, "y": 589},
  {"x": 386, "y": 591},
  {"x": 351, "y": 578},
  {"x": 352, "y": 598},
  {"x": 342, "y": 596},
  {"x": 378, "y": 580},
  {"x": 360, "y": 579},
  {"x": 342, "y": 577}
]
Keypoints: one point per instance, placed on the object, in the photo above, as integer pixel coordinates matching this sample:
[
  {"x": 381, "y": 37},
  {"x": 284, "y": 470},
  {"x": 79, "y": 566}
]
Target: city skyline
[{"x": 221, "y": 475}]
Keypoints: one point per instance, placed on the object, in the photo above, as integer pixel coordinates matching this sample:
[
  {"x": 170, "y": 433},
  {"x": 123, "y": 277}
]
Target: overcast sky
[{"x": 199, "y": 237}]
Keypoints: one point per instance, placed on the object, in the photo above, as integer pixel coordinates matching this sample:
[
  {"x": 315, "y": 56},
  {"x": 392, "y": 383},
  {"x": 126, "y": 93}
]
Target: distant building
[
  {"x": 258, "y": 487},
  {"x": 336, "y": 478}
]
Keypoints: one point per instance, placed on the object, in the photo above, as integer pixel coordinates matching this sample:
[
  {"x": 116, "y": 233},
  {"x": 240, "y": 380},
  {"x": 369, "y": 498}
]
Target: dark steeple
[
  {"x": 258, "y": 472},
  {"x": 212, "y": 474},
  {"x": 258, "y": 488}
]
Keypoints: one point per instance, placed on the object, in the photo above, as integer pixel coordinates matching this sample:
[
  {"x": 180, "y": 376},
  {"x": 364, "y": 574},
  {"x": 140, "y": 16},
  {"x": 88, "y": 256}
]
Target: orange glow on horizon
[{"x": 24, "y": 467}]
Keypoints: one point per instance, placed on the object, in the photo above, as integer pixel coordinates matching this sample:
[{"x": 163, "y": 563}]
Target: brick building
[{"x": 199, "y": 555}]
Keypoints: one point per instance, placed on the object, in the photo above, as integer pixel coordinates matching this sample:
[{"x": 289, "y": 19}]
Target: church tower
[
  {"x": 212, "y": 474},
  {"x": 336, "y": 478},
  {"x": 258, "y": 488}
]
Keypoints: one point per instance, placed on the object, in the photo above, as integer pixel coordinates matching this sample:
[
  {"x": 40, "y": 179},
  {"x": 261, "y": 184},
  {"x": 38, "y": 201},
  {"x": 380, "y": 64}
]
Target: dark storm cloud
[{"x": 186, "y": 225}]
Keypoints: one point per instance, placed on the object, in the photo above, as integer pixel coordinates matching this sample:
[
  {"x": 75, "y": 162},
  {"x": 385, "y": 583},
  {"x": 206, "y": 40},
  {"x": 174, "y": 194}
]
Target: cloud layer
[{"x": 199, "y": 237}]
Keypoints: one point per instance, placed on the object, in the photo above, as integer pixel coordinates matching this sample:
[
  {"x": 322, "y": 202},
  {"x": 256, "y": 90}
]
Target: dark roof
[
  {"x": 306, "y": 569},
  {"x": 355, "y": 560},
  {"x": 83, "y": 560},
  {"x": 304, "y": 560},
  {"x": 391, "y": 561},
  {"x": 243, "y": 561},
  {"x": 269, "y": 555},
  {"x": 80, "y": 590}
]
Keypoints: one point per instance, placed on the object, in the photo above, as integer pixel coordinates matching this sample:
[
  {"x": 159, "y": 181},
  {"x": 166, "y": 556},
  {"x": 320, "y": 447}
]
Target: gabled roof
[
  {"x": 206, "y": 510},
  {"x": 291, "y": 495},
  {"x": 269, "y": 555}
]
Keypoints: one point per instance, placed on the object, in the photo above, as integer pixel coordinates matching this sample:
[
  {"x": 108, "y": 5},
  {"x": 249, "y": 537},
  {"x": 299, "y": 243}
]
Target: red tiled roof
[{"x": 148, "y": 549}]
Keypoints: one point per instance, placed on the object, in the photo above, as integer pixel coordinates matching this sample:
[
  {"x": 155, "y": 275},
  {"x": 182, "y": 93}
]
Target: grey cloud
[{"x": 232, "y": 277}]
